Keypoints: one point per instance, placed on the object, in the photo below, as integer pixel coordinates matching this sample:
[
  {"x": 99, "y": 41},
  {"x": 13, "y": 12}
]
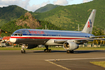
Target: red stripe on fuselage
[{"x": 44, "y": 38}]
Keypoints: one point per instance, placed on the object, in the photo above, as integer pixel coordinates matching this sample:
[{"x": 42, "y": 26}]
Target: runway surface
[{"x": 55, "y": 60}]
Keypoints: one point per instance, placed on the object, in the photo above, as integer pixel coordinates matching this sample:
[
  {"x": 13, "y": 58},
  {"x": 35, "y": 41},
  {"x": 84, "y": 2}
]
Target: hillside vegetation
[
  {"x": 68, "y": 17},
  {"x": 60, "y": 17},
  {"x": 46, "y": 8},
  {"x": 26, "y": 21},
  {"x": 10, "y": 13}
]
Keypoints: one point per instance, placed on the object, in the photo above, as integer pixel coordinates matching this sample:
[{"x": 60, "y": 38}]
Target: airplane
[{"x": 70, "y": 40}]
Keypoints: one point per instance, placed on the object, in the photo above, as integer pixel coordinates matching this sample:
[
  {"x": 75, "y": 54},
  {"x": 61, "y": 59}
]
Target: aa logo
[{"x": 89, "y": 24}]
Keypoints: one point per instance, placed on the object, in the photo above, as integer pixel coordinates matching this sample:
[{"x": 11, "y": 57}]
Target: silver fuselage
[{"x": 45, "y": 37}]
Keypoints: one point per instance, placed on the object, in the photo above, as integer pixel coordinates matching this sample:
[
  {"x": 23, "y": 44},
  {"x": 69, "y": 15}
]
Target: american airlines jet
[{"x": 70, "y": 40}]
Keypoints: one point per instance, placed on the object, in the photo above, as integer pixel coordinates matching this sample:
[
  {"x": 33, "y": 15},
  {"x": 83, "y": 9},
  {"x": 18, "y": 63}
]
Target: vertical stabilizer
[{"x": 89, "y": 24}]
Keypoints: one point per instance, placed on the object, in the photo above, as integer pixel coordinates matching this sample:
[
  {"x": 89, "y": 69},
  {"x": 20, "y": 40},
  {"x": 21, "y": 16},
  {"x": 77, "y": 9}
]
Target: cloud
[
  {"x": 45, "y": 3},
  {"x": 22, "y": 3},
  {"x": 84, "y": 1},
  {"x": 61, "y": 2},
  {"x": 9, "y": 2},
  {"x": 25, "y": 3},
  {"x": 35, "y": 7}
]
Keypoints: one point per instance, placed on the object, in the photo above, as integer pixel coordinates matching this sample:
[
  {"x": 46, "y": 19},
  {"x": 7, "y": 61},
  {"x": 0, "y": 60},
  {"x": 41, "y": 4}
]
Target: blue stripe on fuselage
[{"x": 54, "y": 35}]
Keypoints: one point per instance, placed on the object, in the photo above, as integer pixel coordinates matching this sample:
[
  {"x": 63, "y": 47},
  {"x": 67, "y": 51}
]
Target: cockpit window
[{"x": 17, "y": 34}]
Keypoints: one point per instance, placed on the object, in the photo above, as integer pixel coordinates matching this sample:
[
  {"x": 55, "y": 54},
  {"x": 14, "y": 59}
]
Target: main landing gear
[
  {"x": 70, "y": 51},
  {"x": 47, "y": 50},
  {"x": 22, "y": 49}
]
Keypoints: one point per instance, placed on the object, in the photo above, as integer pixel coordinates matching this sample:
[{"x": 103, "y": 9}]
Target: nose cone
[{"x": 13, "y": 40}]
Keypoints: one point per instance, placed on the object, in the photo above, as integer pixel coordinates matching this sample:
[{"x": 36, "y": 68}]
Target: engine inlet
[{"x": 66, "y": 45}]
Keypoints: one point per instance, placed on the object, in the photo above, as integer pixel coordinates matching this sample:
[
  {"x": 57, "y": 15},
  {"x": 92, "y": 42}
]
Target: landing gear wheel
[
  {"x": 45, "y": 50},
  {"x": 68, "y": 51},
  {"x": 23, "y": 51},
  {"x": 49, "y": 50},
  {"x": 72, "y": 51}
]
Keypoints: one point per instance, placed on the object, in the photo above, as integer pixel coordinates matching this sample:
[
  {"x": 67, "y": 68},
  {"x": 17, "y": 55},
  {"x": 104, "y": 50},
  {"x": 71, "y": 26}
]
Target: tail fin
[{"x": 89, "y": 24}]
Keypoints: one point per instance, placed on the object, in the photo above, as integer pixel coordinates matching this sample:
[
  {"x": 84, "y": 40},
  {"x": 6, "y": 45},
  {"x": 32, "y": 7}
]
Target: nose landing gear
[
  {"x": 22, "y": 49},
  {"x": 47, "y": 50}
]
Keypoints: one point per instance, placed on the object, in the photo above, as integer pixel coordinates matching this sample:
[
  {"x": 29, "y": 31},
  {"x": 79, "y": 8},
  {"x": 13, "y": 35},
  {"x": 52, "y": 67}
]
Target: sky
[{"x": 32, "y": 5}]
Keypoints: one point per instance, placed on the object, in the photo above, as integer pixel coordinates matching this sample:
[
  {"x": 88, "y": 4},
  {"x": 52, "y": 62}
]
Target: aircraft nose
[{"x": 13, "y": 40}]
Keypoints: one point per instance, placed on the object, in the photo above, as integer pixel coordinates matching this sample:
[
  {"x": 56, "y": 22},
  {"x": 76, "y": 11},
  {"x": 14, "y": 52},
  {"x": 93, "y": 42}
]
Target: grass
[
  {"x": 53, "y": 48},
  {"x": 92, "y": 48},
  {"x": 99, "y": 63},
  {"x": 10, "y": 48}
]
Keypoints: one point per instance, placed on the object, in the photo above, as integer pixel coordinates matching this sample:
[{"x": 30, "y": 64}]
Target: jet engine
[
  {"x": 31, "y": 46},
  {"x": 70, "y": 45}
]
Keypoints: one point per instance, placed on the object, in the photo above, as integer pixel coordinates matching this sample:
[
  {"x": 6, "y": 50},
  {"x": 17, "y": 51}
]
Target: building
[{"x": 6, "y": 38}]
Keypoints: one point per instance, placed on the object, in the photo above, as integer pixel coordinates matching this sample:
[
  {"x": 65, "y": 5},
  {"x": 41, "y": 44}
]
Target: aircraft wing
[
  {"x": 78, "y": 40},
  {"x": 97, "y": 36},
  {"x": 59, "y": 41}
]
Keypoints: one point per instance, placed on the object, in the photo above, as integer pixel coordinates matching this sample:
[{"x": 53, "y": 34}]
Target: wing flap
[
  {"x": 59, "y": 41},
  {"x": 98, "y": 36},
  {"x": 78, "y": 40}
]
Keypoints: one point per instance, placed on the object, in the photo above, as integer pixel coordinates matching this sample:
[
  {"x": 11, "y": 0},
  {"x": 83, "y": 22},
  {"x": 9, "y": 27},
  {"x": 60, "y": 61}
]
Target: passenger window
[{"x": 19, "y": 34}]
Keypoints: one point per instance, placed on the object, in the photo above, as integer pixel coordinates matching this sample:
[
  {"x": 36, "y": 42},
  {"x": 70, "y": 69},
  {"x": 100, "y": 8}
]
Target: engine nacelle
[
  {"x": 70, "y": 45},
  {"x": 31, "y": 46}
]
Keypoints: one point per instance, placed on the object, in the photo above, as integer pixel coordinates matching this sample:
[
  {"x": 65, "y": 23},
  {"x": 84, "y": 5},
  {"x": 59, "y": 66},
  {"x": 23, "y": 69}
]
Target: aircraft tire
[
  {"x": 49, "y": 50},
  {"x": 22, "y": 51},
  {"x": 45, "y": 50},
  {"x": 68, "y": 51},
  {"x": 72, "y": 51}
]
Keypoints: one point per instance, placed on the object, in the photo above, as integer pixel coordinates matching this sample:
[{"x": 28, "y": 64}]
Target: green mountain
[
  {"x": 26, "y": 21},
  {"x": 68, "y": 17},
  {"x": 65, "y": 17},
  {"x": 10, "y": 13},
  {"x": 46, "y": 8}
]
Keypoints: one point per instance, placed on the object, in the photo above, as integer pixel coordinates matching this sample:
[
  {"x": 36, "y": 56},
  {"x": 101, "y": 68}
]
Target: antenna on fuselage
[
  {"x": 78, "y": 27},
  {"x": 46, "y": 27}
]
